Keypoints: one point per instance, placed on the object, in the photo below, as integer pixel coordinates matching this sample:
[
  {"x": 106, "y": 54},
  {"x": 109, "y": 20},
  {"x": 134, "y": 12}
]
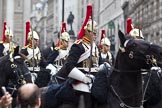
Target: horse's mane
[
  {"x": 4, "y": 59},
  {"x": 119, "y": 52}
]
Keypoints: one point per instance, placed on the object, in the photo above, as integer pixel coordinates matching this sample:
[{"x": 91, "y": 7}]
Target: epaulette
[
  {"x": 57, "y": 48},
  {"x": 86, "y": 40},
  {"x": 78, "y": 41}
]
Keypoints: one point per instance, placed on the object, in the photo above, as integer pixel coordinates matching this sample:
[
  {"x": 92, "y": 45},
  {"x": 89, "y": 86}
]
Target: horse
[
  {"x": 13, "y": 72},
  {"x": 126, "y": 86},
  {"x": 40, "y": 75}
]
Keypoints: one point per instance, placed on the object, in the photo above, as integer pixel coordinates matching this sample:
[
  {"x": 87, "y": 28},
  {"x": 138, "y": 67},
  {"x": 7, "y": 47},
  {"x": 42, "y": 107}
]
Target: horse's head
[
  {"x": 134, "y": 57},
  {"x": 13, "y": 69},
  {"x": 138, "y": 53}
]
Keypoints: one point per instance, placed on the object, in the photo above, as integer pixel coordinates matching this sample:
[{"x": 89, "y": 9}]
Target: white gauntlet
[
  {"x": 78, "y": 75},
  {"x": 52, "y": 68}
]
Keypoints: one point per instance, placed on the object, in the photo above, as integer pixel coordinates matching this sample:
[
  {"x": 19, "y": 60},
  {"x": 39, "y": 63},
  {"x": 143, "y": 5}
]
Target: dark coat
[
  {"x": 1, "y": 49},
  {"x": 75, "y": 52},
  {"x": 102, "y": 60},
  {"x": 42, "y": 62}
]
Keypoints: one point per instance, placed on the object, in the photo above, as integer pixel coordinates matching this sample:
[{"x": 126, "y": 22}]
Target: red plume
[
  {"x": 58, "y": 43},
  {"x": 27, "y": 31},
  {"x": 102, "y": 35},
  {"x": 63, "y": 29},
  {"x": 129, "y": 25},
  {"x": 4, "y": 29},
  {"x": 88, "y": 15}
]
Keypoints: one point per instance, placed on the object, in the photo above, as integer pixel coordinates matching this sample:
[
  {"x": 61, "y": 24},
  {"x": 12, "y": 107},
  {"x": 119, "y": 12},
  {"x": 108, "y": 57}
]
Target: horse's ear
[
  {"x": 53, "y": 45},
  {"x": 16, "y": 51},
  {"x": 121, "y": 37}
]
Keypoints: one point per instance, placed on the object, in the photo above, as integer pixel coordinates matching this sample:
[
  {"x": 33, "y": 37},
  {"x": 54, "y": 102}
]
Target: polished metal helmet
[
  {"x": 105, "y": 41},
  {"x": 89, "y": 26},
  {"x": 137, "y": 33},
  {"x": 65, "y": 36},
  {"x": 8, "y": 32},
  {"x": 35, "y": 35}
]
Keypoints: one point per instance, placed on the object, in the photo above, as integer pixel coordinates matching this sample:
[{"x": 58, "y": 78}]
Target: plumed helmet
[
  {"x": 89, "y": 26},
  {"x": 64, "y": 33},
  {"x": 65, "y": 36},
  {"x": 129, "y": 25},
  {"x": 34, "y": 34},
  {"x": 137, "y": 33},
  {"x": 8, "y": 32},
  {"x": 88, "y": 15},
  {"x": 105, "y": 41}
]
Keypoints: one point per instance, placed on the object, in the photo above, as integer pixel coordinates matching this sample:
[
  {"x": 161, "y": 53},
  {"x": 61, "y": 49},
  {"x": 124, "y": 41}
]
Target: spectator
[
  {"x": 5, "y": 100},
  {"x": 29, "y": 96}
]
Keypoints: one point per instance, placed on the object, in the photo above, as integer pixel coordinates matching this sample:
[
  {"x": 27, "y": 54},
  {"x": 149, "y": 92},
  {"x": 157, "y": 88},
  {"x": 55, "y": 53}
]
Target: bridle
[
  {"x": 20, "y": 77},
  {"x": 149, "y": 59},
  {"x": 142, "y": 55}
]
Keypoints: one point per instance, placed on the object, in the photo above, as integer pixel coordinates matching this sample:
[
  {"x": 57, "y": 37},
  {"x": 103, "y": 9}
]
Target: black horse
[
  {"x": 13, "y": 71},
  {"x": 125, "y": 84}
]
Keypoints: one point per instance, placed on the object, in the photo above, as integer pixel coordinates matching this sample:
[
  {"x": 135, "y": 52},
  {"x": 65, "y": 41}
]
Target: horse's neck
[
  {"x": 125, "y": 74},
  {"x": 127, "y": 82}
]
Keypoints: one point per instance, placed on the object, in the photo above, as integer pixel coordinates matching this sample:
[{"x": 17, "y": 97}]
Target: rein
[
  {"x": 122, "y": 104},
  {"x": 129, "y": 71}
]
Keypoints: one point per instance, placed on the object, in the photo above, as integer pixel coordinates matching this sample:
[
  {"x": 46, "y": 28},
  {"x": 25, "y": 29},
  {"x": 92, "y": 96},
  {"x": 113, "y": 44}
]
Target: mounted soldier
[
  {"x": 57, "y": 55},
  {"x": 133, "y": 31},
  {"x": 80, "y": 65},
  {"x": 34, "y": 60},
  {"x": 6, "y": 44},
  {"x": 105, "y": 55}
]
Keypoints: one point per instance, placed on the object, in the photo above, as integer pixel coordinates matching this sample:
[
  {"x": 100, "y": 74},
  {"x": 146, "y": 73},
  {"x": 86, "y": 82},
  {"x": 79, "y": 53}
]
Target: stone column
[
  {"x": 1, "y": 20},
  {"x": 10, "y": 14}
]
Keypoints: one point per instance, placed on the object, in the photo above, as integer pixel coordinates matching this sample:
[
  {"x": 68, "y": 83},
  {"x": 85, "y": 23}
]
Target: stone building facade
[
  {"x": 15, "y": 13},
  {"x": 147, "y": 14}
]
